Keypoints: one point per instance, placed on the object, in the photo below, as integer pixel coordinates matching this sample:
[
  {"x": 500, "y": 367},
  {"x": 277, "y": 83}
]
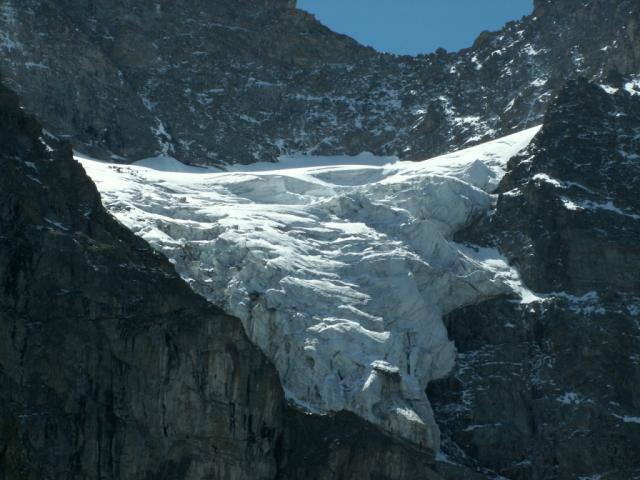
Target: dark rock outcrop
[
  {"x": 550, "y": 389},
  {"x": 112, "y": 368},
  {"x": 240, "y": 81},
  {"x": 568, "y": 213},
  {"x": 342, "y": 446}
]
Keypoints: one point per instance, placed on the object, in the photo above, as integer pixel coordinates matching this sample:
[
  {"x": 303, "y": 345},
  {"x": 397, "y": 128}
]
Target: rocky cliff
[
  {"x": 550, "y": 389},
  {"x": 223, "y": 81},
  {"x": 545, "y": 385},
  {"x": 110, "y": 366}
]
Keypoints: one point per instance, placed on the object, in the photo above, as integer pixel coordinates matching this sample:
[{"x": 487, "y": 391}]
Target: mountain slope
[
  {"x": 540, "y": 383},
  {"x": 100, "y": 334},
  {"x": 212, "y": 82},
  {"x": 110, "y": 366},
  {"x": 550, "y": 390}
]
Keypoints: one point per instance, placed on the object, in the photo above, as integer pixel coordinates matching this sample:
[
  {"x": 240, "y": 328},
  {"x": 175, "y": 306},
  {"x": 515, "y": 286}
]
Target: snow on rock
[{"x": 340, "y": 273}]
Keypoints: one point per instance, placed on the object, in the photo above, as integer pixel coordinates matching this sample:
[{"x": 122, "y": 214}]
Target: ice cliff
[{"x": 339, "y": 268}]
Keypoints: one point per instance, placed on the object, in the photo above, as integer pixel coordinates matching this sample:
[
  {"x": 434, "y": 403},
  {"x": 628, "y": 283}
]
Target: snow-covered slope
[{"x": 340, "y": 273}]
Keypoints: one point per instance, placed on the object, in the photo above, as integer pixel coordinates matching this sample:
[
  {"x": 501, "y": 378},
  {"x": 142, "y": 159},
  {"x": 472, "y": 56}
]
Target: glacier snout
[{"x": 340, "y": 273}]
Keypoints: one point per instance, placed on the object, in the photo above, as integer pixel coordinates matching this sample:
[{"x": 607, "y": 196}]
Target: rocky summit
[
  {"x": 242, "y": 81},
  {"x": 462, "y": 302}
]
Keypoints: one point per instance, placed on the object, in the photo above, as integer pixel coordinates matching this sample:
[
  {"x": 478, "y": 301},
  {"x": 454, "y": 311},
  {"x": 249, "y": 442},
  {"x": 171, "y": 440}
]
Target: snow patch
[
  {"x": 609, "y": 89},
  {"x": 590, "y": 205},
  {"x": 543, "y": 177},
  {"x": 570, "y": 204},
  {"x": 569, "y": 398},
  {"x": 627, "y": 418},
  {"x": 587, "y": 304},
  {"x": 164, "y": 163},
  {"x": 9, "y": 18},
  {"x": 164, "y": 138},
  {"x": 633, "y": 87}
]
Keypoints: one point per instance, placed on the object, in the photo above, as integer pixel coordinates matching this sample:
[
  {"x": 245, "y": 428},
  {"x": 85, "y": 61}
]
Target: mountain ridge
[{"x": 251, "y": 81}]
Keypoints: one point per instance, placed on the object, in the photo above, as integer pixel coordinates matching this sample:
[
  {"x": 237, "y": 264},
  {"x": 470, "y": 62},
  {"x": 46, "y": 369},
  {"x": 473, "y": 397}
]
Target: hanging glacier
[{"x": 340, "y": 268}]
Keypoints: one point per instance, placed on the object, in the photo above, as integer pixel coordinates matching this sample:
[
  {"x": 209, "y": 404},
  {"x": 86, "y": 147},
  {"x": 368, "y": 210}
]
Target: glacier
[{"x": 340, "y": 269}]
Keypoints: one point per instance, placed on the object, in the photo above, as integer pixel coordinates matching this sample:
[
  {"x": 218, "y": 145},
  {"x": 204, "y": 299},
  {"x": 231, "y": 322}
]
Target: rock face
[
  {"x": 543, "y": 389},
  {"x": 221, "y": 81},
  {"x": 579, "y": 181},
  {"x": 112, "y": 368},
  {"x": 549, "y": 390}
]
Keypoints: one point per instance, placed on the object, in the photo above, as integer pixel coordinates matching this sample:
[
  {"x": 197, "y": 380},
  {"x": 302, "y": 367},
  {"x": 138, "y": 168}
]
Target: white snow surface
[{"x": 341, "y": 273}]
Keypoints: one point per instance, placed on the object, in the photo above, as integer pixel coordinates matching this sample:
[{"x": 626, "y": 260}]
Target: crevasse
[{"x": 340, "y": 269}]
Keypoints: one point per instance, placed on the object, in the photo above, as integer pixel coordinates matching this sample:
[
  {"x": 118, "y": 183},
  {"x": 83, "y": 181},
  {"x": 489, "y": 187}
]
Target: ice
[
  {"x": 340, "y": 269},
  {"x": 633, "y": 87},
  {"x": 628, "y": 418},
  {"x": 165, "y": 163}
]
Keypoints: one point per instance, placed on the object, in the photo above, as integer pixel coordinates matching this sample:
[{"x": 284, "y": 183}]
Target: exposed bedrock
[
  {"x": 112, "y": 368},
  {"x": 550, "y": 390},
  {"x": 221, "y": 81}
]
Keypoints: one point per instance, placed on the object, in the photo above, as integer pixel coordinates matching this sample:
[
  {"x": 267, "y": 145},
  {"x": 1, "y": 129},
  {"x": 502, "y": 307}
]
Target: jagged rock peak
[
  {"x": 238, "y": 82},
  {"x": 562, "y": 7}
]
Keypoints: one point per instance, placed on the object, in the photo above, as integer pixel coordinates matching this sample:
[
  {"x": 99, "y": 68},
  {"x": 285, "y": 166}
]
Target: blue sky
[{"x": 416, "y": 26}]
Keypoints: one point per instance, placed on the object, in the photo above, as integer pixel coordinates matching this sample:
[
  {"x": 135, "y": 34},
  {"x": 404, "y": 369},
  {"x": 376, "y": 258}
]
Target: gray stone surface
[
  {"x": 109, "y": 366},
  {"x": 549, "y": 390},
  {"x": 237, "y": 81}
]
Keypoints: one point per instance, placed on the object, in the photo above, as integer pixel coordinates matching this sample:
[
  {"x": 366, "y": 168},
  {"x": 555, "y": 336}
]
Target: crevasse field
[{"x": 340, "y": 268}]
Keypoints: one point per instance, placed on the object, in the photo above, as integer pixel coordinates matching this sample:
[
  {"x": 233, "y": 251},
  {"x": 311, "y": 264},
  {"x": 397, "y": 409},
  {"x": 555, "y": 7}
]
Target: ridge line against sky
[{"x": 411, "y": 27}]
